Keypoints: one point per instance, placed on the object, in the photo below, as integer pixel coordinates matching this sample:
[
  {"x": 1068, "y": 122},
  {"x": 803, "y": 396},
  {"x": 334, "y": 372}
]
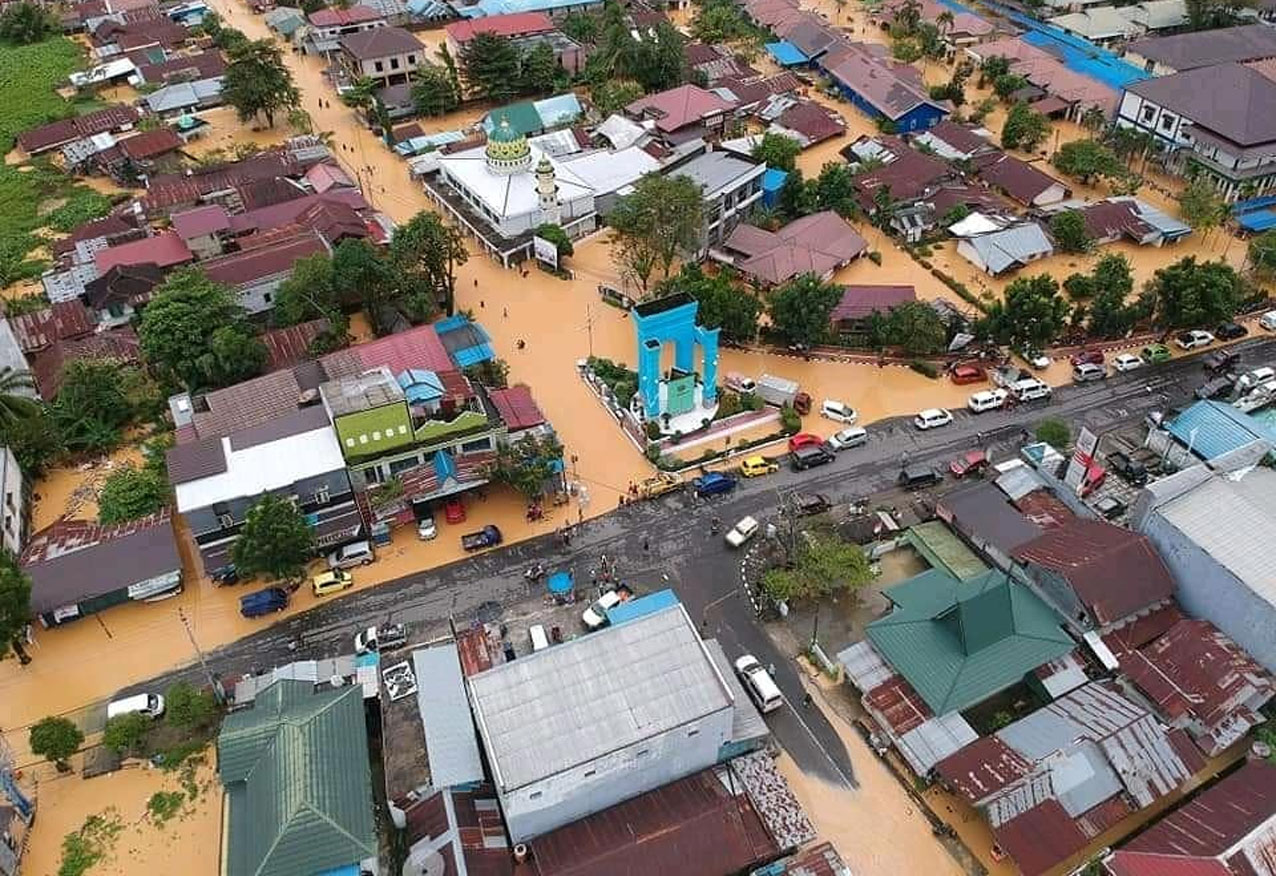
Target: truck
[
  {"x": 659, "y": 485},
  {"x": 488, "y": 536},
  {"x": 780, "y": 391},
  {"x": 382, "y": 638},
  {"x": 262, "y": 602}
]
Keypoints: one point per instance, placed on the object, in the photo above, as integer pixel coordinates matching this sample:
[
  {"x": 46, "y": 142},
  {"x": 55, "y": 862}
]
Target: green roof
[
  {"x": 959, "y": 642},
  {"x": 296, "y": 772},
  {"x": 943, "y": 549},
  {"x": 522, "y": 117}
]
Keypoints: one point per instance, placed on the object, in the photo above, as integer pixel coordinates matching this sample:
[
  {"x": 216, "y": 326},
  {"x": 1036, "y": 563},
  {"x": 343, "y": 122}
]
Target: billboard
[
  {"x": 546, "y": 252},
  {"x": 1082, "y": 457}
]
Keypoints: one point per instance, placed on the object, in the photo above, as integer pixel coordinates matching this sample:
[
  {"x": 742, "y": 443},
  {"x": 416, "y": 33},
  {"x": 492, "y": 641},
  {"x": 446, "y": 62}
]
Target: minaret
[{"x": 547, "y": 192}]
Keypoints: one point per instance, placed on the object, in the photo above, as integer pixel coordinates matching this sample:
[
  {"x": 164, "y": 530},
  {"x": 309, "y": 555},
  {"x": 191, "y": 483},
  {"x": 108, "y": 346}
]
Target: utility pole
[
  {"x": 212, "y": 679},
  {"x": 589, "y": 327}
]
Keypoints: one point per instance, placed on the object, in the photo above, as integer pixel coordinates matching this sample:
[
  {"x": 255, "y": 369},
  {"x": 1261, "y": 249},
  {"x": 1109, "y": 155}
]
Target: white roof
[
  {"x": 975, "y": 223},
  {"x": 620, "y": 131},
  {"x": 103, "y": 72},
  {"x": 607, "y": 172},
  {"x": 1101, "y": 22},
  {"x": 451, "y": 744},
  {"x": 251, "y": 471}
]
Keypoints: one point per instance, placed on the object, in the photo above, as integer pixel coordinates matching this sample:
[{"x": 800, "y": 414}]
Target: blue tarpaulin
[
  {"x": 772, "y": 182},
  {"x": 786, "y": 54},
  {"x": 560, "y": 582},
  {"x": 641, "y": 607},
  {"x": 1258, "y": 220}
]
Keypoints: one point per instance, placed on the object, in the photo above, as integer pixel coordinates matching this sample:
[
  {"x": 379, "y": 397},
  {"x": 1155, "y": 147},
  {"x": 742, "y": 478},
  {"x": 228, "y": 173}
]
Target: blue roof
[
  {"x": 1257, "y": 220},
  {"x": 467, "y": 342},
  {"x": 562, "y": 109},
  {"x": 773, "y": 179},
  {"x": 1219, "y": 427},
  {"x": 420, "y": 385},
  {"x": 786, "y": 54},
  {"x": 641, "y": 607}
]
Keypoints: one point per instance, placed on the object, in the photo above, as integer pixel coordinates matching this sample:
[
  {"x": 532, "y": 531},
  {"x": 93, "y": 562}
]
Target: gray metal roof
[
  {"x": 573, "y": 703},
  {"x": 1019, "y": 482},
  {"x": 1017, "y": 245},
  {"x": 716, "y": 170},
  {"x": 450, "y": 741},
  {"x": 983, "y": 511}
]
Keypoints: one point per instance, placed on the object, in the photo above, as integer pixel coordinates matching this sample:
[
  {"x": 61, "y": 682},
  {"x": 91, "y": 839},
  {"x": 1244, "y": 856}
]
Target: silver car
[{"x": 357, "y": 553}]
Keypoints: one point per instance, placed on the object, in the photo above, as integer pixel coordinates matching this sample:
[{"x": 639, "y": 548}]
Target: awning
[
  {"x": 786, "y": 54},
  {"x": 1050, "y": 105}
]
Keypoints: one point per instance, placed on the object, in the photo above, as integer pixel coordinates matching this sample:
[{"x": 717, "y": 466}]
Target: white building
[
  {"x": 731, "y": 186},
  {"x": 579, "y": 727},
  {"x": 15, "y": 518}
]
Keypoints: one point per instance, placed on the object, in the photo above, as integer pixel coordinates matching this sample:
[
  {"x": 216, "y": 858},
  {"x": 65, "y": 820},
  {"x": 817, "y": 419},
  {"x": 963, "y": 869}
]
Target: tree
[
  {"x": 1024, "y": 128},
  {"x": 25, "y": 23},
  {"x": 580, "y": 26},
  {"x": 129, "y": 493},
  {"x": 425, "y": 254},
  {"x": 1201, "y": 205},
  {"x": 778, "y": 151},
  {"x": 915, "y": 327},
  {"x": 659, "y": 60},
  {"x": 1094, "y": 119},
  {"x": 35, "y": 441},
  {"x": 57, "y": 739},
  {"x": 434, "y": 92},
  {"x": 797, "y": 196},
  {"x": 723, "y": 305},
  {"x": 1189, "y": 293},
  {"x": 1007, "y": 84},
  {"x": 1088, "y": 160},
  {"x": 1262, "y": 254},
  {"x": 1069, "y": 231},
  {"x": 308, "y": 293},
  {"x": 1211, "y": 14},
  {"x": 16, "y": 388},
  {"x": 360, "y": 275},
  {"x": 187, "y": 707},
  {"x": 993, "y": 68},
  {"x": 528, "y": 464},
  {"x": 800, "y": 309},
  {"x": 907, "y": 17},
  {"x": 557, "y": 236},
  {"x": 361, "y": 92},
  {"x": 193, "y": 332},
  {"x": 824, "y": 564},
  {"x": 1031, "y": 315},
  {"x": 954, "y": 214},
  {"x": 981, "y": 110},
  {"x": 275, "y": 540},
  {"x": 1054, "y": 432},
  {"x": 490, "y": 67},
  {"x": 834, "y": 189},
  {"x": 93, "y": 404},
  {"x": 15, "y": 607},
  {"x": 540, "y": 70},
  {"x": 614, "y": 95},
  {"x": 257, "y": 82},
  {"x": 124, "y": 733},
  {"x": 653, "y": 224},
  {"x": 720, "y": 21}
]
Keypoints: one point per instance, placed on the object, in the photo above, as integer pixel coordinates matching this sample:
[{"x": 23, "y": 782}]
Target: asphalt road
[{"x": 703, "y": 571}]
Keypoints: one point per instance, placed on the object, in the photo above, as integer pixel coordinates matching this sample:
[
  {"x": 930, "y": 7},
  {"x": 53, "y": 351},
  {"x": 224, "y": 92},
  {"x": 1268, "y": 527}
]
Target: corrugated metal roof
[
  {"x": 935, "y": 739},
  {"x": 1040, "y": 838},
  {"x": 983, "y": 768},
  {"x": 451, "y": 744},
  {"x": 982, "y": 511},
  {"x": 1213, "y": 428}
]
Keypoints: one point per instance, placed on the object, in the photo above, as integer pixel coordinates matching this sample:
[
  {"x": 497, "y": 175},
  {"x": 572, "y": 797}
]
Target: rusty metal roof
[
  {"x": 60, "y": 322},
  {"x": 1040, "y": 838},
  {"x": 983, "y": 768}
]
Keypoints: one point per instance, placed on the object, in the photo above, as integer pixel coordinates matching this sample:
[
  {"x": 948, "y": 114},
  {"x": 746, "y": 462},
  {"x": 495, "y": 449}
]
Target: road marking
[{"x": 850, "y": 782}]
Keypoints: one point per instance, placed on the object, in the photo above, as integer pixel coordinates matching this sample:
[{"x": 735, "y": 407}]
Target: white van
[
  {"x": 1268, "y": 320},
  {"x": 540, "y": 641},
  {"x": 1030, "y": 389},
  {"x": 150, "y": 705},
  {"x": 759, "y": 683}
]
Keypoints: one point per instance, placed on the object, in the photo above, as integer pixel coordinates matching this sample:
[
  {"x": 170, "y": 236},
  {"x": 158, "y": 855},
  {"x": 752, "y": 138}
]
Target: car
[
  {"x": 741, "y": 383},
  {"x": 382, "y": 638},
  {"x": 915, "y": 476},
  {"x": 839, "y": 411},
  {"x": 1110, "y": 507},
  {"x": 1192, "y": 339},
  {"x": 454, "y": 510},
  {"x": 714, "y": 483},
  {"x": 804, "y": 439},
  {"x": 1130, "y": 470},
  {"x": 1040, "y": 361},
  {"x": 1216, "y": 387},
  {"x": 481, "y": 539},
  {"x": 847, "y": 438},
  {"x": 964, "y": 374},
  {"x": 745, "y": 529},
  {"x": 1095, "y": 475},
  {"x": 810, "y": 456},
  {"x": 811, "y": 503},
  {"x": 262, "y": 602},
  {"x": 1126, "y": 362},
  {"x": 759, "y": 683},
  {"x": 1257, "y": 377},
  {"x": 756, "y": 466},
  {"x": 425, "y": 527},
  {"x": 149, "y": 704},
  {"x": 1087, "y": 371},
  {"x": 970, "y": 462},
  {"x": 1230, "y": 331},
  {"x": 932, "y": 418},
  {"x": 987, "y": 400},
  {"x": 333, "y": 581},
  {"x": 357, "y": 553},
  {"x": 596, "y": 615},
  {"x": 1086, "y": 357},
  {"x": 661, "y": 483},
  {"x": 224, "y": 576},
  {"x": 1221, "y": 360},
  {"x": 1155, "y": 354},
  {"x": 1031, "y": 389},
  {"x": 1268, "y": 320}
]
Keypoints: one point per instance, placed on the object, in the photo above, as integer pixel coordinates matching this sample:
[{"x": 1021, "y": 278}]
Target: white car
[
  {"x": 742, "y": 532},
  {"x": 426, "y": 530},
  {"x": 759, "y": 683},
  {"x": 932, "y": 418},
  {"x": 1190, "y": 340},
  {"x": 1268, "y": 320},
  {"x": 1040, "y": 361},
  {"x": 987, "y": 400},
  {"x": 836, "y": 410},
  {"x": 1126, "y": 362},
  {"x": 847, "y": 438},
  {"x": 596, "y": 615}
]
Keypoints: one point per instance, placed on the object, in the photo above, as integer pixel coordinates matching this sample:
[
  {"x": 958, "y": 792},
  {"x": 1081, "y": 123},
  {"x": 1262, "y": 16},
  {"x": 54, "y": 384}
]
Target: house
[
  {"x": 955, "y": 142},
  {"x": 1156, "y": 15},
  {"x": 1068, "y": 92},
  {"x": 816, "y": 244},
  {"x": 298, "y": 783},
  {"x": 55, "y": 135},
  {"x": 217, "y": 480},
  {"x": 15, "y": 511},
  {"x": 1094, "y": 574},
  {"x": 1220, "y": 562},
  {"x": 683, "y": 113},
  {"x": 328, "y": 26},
  {"x": 1024, "y": 182},
  {"x": 1219, "y": 120},
  {"x": 905, "y": 176},
  {"x": 202, "y": 228},
  {"x": 525, "y": 30},
  {"x": 40, "y": 329},
  {"x": 78, "y": 567},
  {"x": 208, "y": 64},
  {"x": 388, "y": 55},
  {"x": 1101, "y": 25},
  {"x": 809, "y": 123},
  {"x": 288, "y": 346},
  {"x": 957, "y": 643},
  {"x": 731, "y": 187},
  {"x": 149, "y": 145},
  {"x": 1225, "y": 830},
  {"x": 183, "y": 98},
  {"x": 15, "y": 825},
  {"x": 981, "y": 514},
  {"x": 882, "y": 88},
  {"x": 1164, "y": 55},
  {"x": 1110, "y": 221},
  {"x": 810, "y": 35},
  {"x": 48, "y": 367},
  {"x": 164, "y": 250},
  {"x": 518, "y": 410},
  {"x": 120, "y": 293},
  {"x": 858, "y": 303},
  {"x": 608, "y": 733},
  {"x": 260, "y": 268},
  {"x": 1006, "y": 250}
]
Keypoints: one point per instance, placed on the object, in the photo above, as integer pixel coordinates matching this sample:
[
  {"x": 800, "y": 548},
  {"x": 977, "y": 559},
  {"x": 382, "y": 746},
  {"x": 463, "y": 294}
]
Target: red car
[
  {"x": 454, "y": 510},
  {"x": 970, "y": 462},
  {"x": 1095, "y": 475},
  {"x": 804, "y": 439},
  {"x": 963, "y": 374},
  {"x": 1086, "y": 357}
]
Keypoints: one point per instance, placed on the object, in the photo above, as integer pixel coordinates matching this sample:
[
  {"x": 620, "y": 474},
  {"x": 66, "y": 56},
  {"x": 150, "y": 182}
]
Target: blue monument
[{"x": 680, "y": 399}]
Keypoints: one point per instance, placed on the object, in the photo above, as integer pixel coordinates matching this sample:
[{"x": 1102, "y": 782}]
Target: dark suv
[
  {"x": 1131, "y": 470},
  {"x": 1221, "y": 360},
  {"x": 915, "y": 476},
  {"x": 810, "y": 456},
  {"x": 1230, "y": 331}
]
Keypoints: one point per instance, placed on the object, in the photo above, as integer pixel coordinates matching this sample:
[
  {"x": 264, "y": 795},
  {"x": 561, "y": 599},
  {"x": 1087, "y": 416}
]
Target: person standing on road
[{"x": 646, "y": 544}]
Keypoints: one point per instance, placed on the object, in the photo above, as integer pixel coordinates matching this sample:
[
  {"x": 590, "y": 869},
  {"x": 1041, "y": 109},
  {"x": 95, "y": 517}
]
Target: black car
[
  {"x": 224, "y": 576},
  {"x": 1230, "y": 331},
  {"x": 1217, "y": 388},
  {"x": 1221, "y": 360},
  {"x": 812, "y": 503},
  {"x": 914, "y": 476},
  {"x": 810, "y": 456},
  {"x": 1129, "y": 469}
]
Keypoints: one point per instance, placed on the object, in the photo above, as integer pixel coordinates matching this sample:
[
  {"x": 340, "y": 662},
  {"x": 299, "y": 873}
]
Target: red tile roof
[
  {"x": 380, "y": 42},
  {"x": 54, "y": 134},
  {"x": 908, "y": 176},
  {"x": 151, "y": 144},
  {"x": 169, "y": 190},
  {"x": 1042, "y": 508},
  {"x": 1040, "y": 838},
  {"x": 514, "y": 24},
  {"x": 164, "y": 250},
  {"x": 818, "y": 244},
  {"x": 108, "y": 227},
  {"x": 60, "y": 322},
  {"x": 201, "y": 221},
  {"x": 251, "y": 266},
  {"x": 1127, "y": 863},
  {"x": 340, "y": 17},
  {"x": 516, "y": 407},
  {"x": 205, "y": 65},
  {"x": 812, "y": 121},
  {"x": 327, "y": 175},
  {"x": 287, "y": 212},
  {"x": 1109, "y": 219},
  {"x": 1020, "y": 180},
  {"x": 679, "y": 107},
  {"x": 983, "y": 768},
  {"x": 859, "y": 301}
]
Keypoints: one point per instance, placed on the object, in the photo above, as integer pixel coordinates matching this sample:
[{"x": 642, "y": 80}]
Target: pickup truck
[
  {"x": 488, "y": 536},
  {"x": 385, "y": 638},
  {"x": 659, "y": 485}
]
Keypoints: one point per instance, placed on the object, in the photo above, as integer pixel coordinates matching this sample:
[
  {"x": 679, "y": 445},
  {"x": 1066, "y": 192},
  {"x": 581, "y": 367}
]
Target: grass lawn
[{"x": 29, "y": 77}]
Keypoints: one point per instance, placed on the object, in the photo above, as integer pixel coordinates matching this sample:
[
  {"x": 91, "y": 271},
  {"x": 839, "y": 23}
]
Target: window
[
  {"x": 694, "y": 731},
  {"x": 376, "y": 435},
  {"x": 322, "y": 495},
  {"x": 535, "y": 795},
  {"x": 589, "y": 774},
  {"x": 1147, "y": 113},
  {"x": 394, "y": 63},
  {"x": 399, "y": 466},
  {"x": 225, "y": 521},
  {"x": 379, "y": 66},
  {"x": 412, "y": 59},
  {"x": 266, "y": 298},
  {"x": 1167, "y": 123},
  {"x": 477, "y": 446}
]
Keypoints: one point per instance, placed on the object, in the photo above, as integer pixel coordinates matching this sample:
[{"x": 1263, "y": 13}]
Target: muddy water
[{"x": 71, "y": 491}]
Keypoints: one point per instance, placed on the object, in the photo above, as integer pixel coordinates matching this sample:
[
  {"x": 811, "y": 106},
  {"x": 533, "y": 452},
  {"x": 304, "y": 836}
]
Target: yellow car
[
  {"x": 756, "y": 466},
  {"x": 331, "y": 582}
]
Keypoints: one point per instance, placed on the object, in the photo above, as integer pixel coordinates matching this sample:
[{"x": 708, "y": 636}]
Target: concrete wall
[
  {"x": 627, "y": 772},
  {"x": 14, "y": 499}
]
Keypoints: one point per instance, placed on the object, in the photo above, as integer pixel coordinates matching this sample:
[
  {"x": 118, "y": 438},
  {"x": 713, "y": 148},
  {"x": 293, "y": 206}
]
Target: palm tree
[
  {"x": 14, "y": 404},
  {"x": 944, "y": 21}
]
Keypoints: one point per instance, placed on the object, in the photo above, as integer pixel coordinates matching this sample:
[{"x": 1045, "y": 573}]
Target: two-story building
[
  {"x": 731, "y": 187},
  {"x": 387, "y": 55},
  {"x": 328, "y": 26}
]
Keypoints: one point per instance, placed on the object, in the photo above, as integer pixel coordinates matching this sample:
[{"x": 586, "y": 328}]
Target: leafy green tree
[
  {"x": 778, "y": 151},
  {"x": 1007, "y": 84},
  {"x": 1054, "y": 432},
  {"x": 1201, "y": 205},
  {"x": 613, "y": 95},
  {"x": 993, "y": 68},
  {"x": 834, "y": 189},
  {"x": 1031, "y": 315},
  {"x": 25, "y": 23},
  {"x": 1025, "y": 128},
  {"x": 1190, "y": 293},
  {"x": 425, "y": 254},
  {"x": 1211, "y": 14},
  {"x": 955, "y": 214},
  {"x": 57, "y": 739},
  {"x": 1088, "y": 160},
  {"x": 275, "y": 540},
  {"x": 659, "y": 59},
  {"x": 124, "y": 733},
  {"x": 981, "y": 110},
  {"x": 1069, "y": 231},
  {"x": 193, "y": 332},
  {"x": 1262, "y": 254},
  {"x": 540, "y": 70},
  {"x": 308, "y": 293},
  {"x": 15, "y": 607},
  {"x": 434, "y": 92},
  {"x": 93, "y": 404},
  {"x": 490, "y": 66},
  {"x": 360, "y": 275},
  {"x": 657, "y": 221},
  {"x": 581, "y": 26},
  {"x": 361, "y": 92},
  {"x": 1094, "y": 119},
  {"x": 258, "y": 83},
  {"x": 720, "y": 21},
  {"x": 129, "y": 493},
  {"x": 723, "y": 304},
  {"x": 187, "y": 707},
  {"x": 528, "y": 464},
  {"x": 823, "y": 565},
  {"x": 35, "y": 441},
  {"x": 800, "y": 309},
  {"x": 557, "y": 236},
  {"x": 917, "y": 328},
  {"x": 797, "y": 196}
]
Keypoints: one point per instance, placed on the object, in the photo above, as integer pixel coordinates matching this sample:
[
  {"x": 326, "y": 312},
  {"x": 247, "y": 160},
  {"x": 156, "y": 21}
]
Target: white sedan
[
  {"x": 1190, "y": 340},
  {"x": 932, "y": 418},
  {"x": 853, "y": 436},
  {"x": 1126, "y": 362},
  {"x": 838, "y": 411}
]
